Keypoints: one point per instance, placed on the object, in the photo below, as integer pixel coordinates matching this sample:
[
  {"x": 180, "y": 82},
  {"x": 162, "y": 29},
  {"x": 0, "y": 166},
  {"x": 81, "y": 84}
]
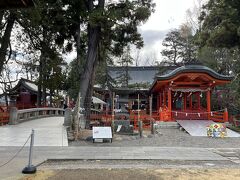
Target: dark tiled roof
[
  {"x": 138, "y": 74},
  {"x": 27, "y": 84},
  {"x": 194, "y": 68}
]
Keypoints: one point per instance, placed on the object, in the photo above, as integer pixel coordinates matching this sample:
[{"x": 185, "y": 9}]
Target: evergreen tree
[
  {"x": 173, "y": 44},
  {"x": 221, "y": 22},
  {"x": 123, "y": 76},
  {"x": 179, "y": 47}
]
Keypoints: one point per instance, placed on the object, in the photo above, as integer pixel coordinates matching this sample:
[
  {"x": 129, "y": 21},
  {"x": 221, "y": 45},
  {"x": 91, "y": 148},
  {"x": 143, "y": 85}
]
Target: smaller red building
[
  {"x": 24, "y": 94},
  {"x": 185, "y": 93}
]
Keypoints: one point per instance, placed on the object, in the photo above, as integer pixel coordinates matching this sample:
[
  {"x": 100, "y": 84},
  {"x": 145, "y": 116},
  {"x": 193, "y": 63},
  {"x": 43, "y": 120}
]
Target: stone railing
[{"x": 18, "y": 116}]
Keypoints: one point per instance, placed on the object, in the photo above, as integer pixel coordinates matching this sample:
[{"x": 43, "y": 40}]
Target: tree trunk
[
  {"x": 91, "y": 58},
  {"x": 6, "y": 39},
  {"x": 39, "y": 95},
  {"x": 78, "y": 40},
  {"x": 86, "y": 81},
  {"x": 88, "y": 100}
]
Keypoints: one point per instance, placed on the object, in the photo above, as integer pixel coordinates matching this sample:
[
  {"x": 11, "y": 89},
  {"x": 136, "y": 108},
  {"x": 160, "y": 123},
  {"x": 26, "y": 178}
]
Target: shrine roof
[
  {"x": 28, "y": 85},
  {"x": 194, "y": 69}
]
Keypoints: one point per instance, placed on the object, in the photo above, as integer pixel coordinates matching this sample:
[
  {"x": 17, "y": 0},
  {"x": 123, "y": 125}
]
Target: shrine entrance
[{"x": 185, "y": 94}]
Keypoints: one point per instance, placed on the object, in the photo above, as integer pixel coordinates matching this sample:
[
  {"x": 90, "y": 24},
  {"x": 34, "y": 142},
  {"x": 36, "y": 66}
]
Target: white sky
[{"x": 169, "y": 14}]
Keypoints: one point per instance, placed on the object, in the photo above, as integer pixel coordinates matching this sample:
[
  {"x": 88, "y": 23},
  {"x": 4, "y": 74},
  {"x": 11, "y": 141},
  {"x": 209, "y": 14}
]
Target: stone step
[{"x": 160, "y": 125}]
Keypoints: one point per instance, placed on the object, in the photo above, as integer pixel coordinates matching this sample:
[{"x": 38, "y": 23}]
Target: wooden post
[
  {"x": 139, "y": 121},
  {"x": 150, "y": 105},
  {"x": 160, "y": 99},
  {"x": 140, "y": 128},
  {"x": 112, "y": 127},
  {"x": 190, "y": 101},
  {"x": 209, "y": 103},
  {"x": 185, "y": 101},
  {"x": 113, "y": 96},
  {"x": 152, "y": 126},
  {"x": 170, "y": 104},
  {"x": 199, "y": 100}
]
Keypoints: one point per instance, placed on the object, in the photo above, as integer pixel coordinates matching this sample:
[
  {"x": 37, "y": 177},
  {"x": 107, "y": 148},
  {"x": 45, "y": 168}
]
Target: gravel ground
[
  {"x": 165, "y": 138},
  {"x": 136, "y": 174},
  {"x": 137, "y": 164}
]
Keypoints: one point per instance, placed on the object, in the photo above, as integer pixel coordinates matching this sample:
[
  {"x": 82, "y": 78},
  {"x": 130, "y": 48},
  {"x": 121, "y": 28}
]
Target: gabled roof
[
  {"x": 190, "y": 76},
  {"x": 194, "y": 68},
  {"x": 26, "y": 84},
  {"x": 138, "y": 74}
]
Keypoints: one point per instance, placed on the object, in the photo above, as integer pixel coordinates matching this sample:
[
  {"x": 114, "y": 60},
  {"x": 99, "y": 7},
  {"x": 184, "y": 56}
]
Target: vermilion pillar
[
  {"x": 164, "y": 98},
  {"x": 209, "y": 103},
  {"x": 170, "y": 103}
]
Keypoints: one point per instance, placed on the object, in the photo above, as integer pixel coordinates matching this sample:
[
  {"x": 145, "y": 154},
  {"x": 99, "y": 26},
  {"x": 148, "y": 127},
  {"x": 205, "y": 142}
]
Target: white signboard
[{"x": 102, "y": 133}]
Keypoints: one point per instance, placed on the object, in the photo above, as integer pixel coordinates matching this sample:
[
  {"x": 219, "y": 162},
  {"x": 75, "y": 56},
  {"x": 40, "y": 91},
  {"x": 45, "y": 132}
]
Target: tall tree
[
  {"x": 45, "y": 38},
  {"x": 220, "y": 33},
  {"x": 179, "y": 46},
  {"x": 173, "y": 44},
  {"x": 111, "y": 26},
  {"x": 123, "y": 75}
]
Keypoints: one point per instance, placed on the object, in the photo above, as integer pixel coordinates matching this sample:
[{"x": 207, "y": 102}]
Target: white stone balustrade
[{"x": 18, "y": 116}]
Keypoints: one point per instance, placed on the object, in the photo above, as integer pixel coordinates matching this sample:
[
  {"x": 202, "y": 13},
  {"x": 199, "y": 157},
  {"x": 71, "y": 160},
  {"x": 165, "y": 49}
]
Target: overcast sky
[{"x": 169, "y": 14}]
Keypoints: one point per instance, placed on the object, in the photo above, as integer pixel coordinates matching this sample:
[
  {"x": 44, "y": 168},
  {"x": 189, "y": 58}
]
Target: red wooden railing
[
  {"x": 218, "y": 117},
  {"x": 145, "y": 118}
]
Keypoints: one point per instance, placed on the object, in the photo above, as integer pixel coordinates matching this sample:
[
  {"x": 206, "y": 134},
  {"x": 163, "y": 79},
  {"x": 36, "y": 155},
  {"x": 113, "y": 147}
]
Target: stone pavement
[
  {"x": 198, "y": 128},
  {"x": 48, "y": 132},
  {"x": 131, "y": 153}
]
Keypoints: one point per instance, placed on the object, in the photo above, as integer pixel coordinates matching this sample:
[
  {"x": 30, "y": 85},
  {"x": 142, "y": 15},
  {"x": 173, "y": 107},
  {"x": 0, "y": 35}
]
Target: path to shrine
[{"x": 51, "y": 143}]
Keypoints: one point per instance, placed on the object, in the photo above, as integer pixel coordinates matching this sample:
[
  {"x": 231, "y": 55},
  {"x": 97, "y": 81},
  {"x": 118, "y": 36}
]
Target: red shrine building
[{"x": 185, "y": 94}]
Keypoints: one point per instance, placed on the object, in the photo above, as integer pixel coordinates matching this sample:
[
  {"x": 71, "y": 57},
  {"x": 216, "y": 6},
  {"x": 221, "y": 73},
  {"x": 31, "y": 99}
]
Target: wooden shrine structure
[{"x": 185, "y": 93}]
